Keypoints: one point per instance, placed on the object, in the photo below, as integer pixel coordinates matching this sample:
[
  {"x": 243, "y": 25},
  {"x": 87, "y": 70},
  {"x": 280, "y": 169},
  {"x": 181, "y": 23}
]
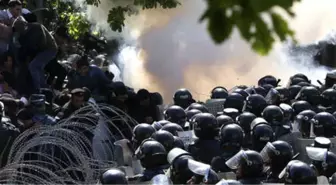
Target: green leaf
[
  {"x": 219, "y": 26},
  {"x": 281, "y": 27}
]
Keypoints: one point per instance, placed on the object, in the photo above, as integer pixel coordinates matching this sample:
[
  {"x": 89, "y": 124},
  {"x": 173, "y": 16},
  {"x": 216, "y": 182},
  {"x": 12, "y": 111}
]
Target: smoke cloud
[{"x": 169, "y": 49}]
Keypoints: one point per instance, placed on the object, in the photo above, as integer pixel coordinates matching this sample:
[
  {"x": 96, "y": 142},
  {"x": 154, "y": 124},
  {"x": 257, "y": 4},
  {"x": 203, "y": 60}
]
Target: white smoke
[{"x": 169, "y": 49}]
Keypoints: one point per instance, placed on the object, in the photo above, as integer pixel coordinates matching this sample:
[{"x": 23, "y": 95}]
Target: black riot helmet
[
  {"x": 277, "y": 154},
  {"x": 165, "y": 138},
  {"x": 284, "y": 95},
  {"x": 232, "y": 112},
  {"x": 248, "y": 164},
  {"x": 302, "y": 122},
  {"x": 234, "y": 100},
  {"x": 324, "y": 124},
  {"x": 302, "y": 76},
  {"x": 296, "y": 81},
  {"x": 244, "y": 120},
  {"x": 223, "y": 120},
  {"x": 293, "y": 91},
  {"x": 297, "y": 172},
  {"x": 288, "y": 111},
  {"x": 305, "y": 84},
  {"x": 241, "y": 92},
  {"x": 173, "y": 128},
  {"x": 261, "y": 134},
  {"x": 267, "y": 87},
  {"x": 219, "y": 93},
  {"x": 268, "y": 79},
  {"x": 183, "y": 98},
  {"x": 163, "y": 122},
  {"x": 273, "y": 115},
  {"x": 191, "y": 113},
  {"x": 231, "y": 138},
  {"x": 328, "y": 97},
  {"x": 141, "y": 132},
  {"x": 113, "y": 176},
  {"x": 199, "y": 107},
  {"x": 300, "y": 106},
  {"x": 255, "y": 103},
  {"x": 260, "y": 90},
  {"x": 178, "y": 143},
  {"x": 175, "y": 114},
  {"x": 151, "y": 154},
  {"x": 309, "y": 94},
  {"x": 205, "y": 126},
  {"x": 323, "y": 160}
]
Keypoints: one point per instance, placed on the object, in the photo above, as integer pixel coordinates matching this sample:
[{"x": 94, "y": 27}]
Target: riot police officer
[
  {"x": 302, "y": 122},
  {"x": 165, "y": 138},
  {"x": 300, "y": 106},
  {"x": 297, "y": 172},
  {"x": 231, "y": 139},
  {"x": 205, "y": 128},
  {"x": 173, "y": 128},
  {"x": 153, "y": 157},
  {"x": 244, "y": 120},
  {"x": 198, "y": 106},
  {"x": 183, "y": 98},
  {"x": 324, "y": 124},
  {"x": 309, "y": 94},
  {"x": 176, "y": 114},
  {"x": 261, "y": 134},
  {"x": 223, "y": 120},
  {"x": 234, "y": 100},
  {"x": 274, "y": 116},
  {"x": 277, "y": 154},
  {"x": 141, "y": 132},
  {"x": 219, "y": 93}
]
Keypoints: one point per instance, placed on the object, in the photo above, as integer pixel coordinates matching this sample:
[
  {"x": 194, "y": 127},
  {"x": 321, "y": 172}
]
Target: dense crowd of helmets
[{"x": 269, "y": 133}]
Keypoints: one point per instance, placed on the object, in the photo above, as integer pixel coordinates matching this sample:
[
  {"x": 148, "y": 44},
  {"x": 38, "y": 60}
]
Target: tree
[{"x": 222, "y": 17}]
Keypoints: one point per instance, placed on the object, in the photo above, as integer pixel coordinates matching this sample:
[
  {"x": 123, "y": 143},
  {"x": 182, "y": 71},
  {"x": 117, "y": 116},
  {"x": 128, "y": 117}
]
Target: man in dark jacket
[
  {"x": 38, "y": 44},
  {"x": 75, "y": 103}
]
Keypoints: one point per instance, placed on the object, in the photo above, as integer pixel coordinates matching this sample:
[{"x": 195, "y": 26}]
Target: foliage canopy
[{"x": 222, "y": 17}]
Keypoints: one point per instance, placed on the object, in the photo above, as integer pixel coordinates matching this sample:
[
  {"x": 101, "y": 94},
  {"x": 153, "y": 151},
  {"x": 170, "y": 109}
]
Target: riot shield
[
  {"x": 161, "y": 180},
  {"x": 215, "y": 105},
  {"x": 176, "y": 153},
  {"x": 227, "y": 175}
]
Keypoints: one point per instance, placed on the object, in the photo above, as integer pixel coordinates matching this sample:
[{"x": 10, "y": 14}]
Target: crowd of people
[{"x": 267, "y": 133}]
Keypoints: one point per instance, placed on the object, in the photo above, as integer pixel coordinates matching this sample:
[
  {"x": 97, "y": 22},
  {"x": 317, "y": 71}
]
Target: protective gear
[
  {"x": 205, "y": 126},
  {"x": 297, "y": 172},
  {"x": 268, "y": 79},
  {"x": 141, "y": 132},
  {"x": 202, "y": 173},
  {"x": 288, "y": 112},
  {"x": 248, "y": 164},
  {"x": 324, "y": 124},
  {"x": 234, "y": 100},
  {"x": 151, "y": 154},
  {"x": 219, "y": 93},
  {"x": 284, "y": 95},
  {"x": 244, "y": 120},
  {"x": 192, "y": 113},
  {"x": 309, "y": 94},
  {"x": 223, "y": 120},
  {"x": 267, "y": 87},
  {"x": 322, "y": 142},
  {"x": 296, "y": 81},
  {"x": 165, "y": 138},
  {"x": 277, "y": 155},
  {"x": 199, "y": 107},
  {"x": 333, "y": 179},
  {"x": 179, "y": 171},
  {"x": 302, "y": 76},
  {"x": 328, "y": 98},
  {"x": 273, "y": 115},
  {"x": 241, "y": 92},
  {"x": 261, "y": 91},
  {"x": 300, "y": 106},
  {"x": 323, "y": 160},
  {"x": 233, "y": 113},
  {"x": 302, "y": 122},
  {"x": 255, "y": 104},
  {"x": 163, "y": 122},
  {"x": 293, "y": 91},
  {"x": 261, "y": 134},
  {"x": 183, "y": 98},
  {"x": 176, "y": 114},
  {"x": 173, "y": 128},
  {"x": 113, "y": 176}
]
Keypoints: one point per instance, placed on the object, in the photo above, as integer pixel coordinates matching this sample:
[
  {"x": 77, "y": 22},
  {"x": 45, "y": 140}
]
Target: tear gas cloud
[{"x": 169, "y": 49}]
